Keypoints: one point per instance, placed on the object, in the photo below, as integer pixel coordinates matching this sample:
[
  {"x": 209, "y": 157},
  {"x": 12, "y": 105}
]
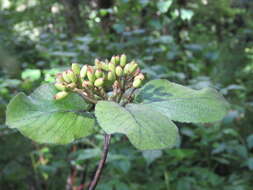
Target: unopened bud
[
  {"x": 113, "y": 60},
  {"x": 98, "y": 64},
  {"x": 119, "y": 71},
  {"x": 59, "y": 86},
  {"x": 126, "y": 69},
  {"x": 72, "y": 76},
  {"x": 66, "y": 77},
  {"x": 105, "y": 66},
  {"x": 83, "y": 71},
  {"x": 91, "y": 74},
  {"x": 139, "y": 76},
  {"x": 76, "y": 68},
  {"x": 99, "y": 82},
  {"x": 117, "y": 59},
  {"x": 111, "y": 66},
  {"x": 60, "y": 95},
  {"x": 111, "y": 76},
  {"x": 98, "y": 73},
  {"x": 123, "y": 60},
  {"x": 133, "y": 67},
  {"x": 137, "y": 83}
]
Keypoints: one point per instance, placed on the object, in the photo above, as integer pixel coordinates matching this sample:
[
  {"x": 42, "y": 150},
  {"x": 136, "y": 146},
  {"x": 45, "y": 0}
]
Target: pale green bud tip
[
  {"x": 137, "y": 83},
  {"x": 113, "y": 60},
  {"x": 126, "y": 69},
  {"x": 60, "y": 95},
  {"x": 104, "y": 66},
  {"x": 123, "y": 60},
  {"x": 98, "y": 73},
  {"x": 111, "y": 76},
  {"x": 66, "y": 77},
  {"x": 98, "y": 64},
  {"x": 83, "y": 71},
  {"x": 59, "y": 86},
  {"x": 99, "y": 82},
  {"x": 72, "y": 76},
  {"x": 119, "y": 71},
  {"x": 117, "y": 59},
  {"x": 76, "y": 68},
  {"x": 133, "y": 67},
  {"x": 91, "y": 74},
  {"x": 111, "y": 66}
]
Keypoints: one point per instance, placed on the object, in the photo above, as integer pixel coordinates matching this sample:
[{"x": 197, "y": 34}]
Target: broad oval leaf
[
  {"x": 146, "y": 128},
  {"x": 183, "y": 104},
  {"x": 46, "y": 120}
]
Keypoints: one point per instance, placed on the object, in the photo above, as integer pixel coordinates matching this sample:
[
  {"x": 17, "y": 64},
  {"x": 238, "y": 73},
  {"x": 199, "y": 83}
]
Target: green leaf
[
  {"x": 164, "y": 5},
  {"x": 46, "y": 120},
  {"x": 146, "y": 128},
  {"x": 183, "y": 104}
]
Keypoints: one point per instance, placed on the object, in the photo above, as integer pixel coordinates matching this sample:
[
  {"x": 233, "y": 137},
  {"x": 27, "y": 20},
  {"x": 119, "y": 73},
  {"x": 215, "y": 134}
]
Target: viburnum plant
[{"x": 111, "y": 94}]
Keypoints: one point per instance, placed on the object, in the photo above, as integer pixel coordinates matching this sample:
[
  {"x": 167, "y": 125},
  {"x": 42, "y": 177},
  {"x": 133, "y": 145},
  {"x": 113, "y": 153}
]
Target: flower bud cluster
[{"x": 96, "y": 82}]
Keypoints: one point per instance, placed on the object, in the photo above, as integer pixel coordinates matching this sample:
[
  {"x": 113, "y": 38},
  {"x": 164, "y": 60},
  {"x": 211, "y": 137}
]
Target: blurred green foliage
[{"x": 197, "y": 43}]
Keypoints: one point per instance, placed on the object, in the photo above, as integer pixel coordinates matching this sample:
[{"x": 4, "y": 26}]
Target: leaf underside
[
  {"x": 46, "y": 120},
  {"x": 183, "y": 104}
]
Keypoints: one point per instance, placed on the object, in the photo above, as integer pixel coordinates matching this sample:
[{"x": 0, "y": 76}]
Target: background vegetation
[{"x": 197, "y": 43}]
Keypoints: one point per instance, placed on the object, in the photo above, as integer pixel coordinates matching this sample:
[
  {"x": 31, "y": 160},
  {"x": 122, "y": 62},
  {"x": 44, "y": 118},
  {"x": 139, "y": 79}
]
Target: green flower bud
[
  {"x": 119, "y": 71},
  {"x": 117, "y": 59},
  {"x": 111, "y": 76},
  {"x": 137, "y": 83},
  {"x": 123, "y": 60},
  {"x": 139, "y": 76},
  {"x": 105, "y": 66},
  {"x": 98, "y": 73},
  {"x": 71, "y": 75},
  {"x": 133, "y": 67},
  {"x": 83, "y": 71},
  {"x": 66, "y": 77},
  {"x": 87, "y": 84},
  {"x": 99, "y": 82},
  {"x": 126, "y": 69},
  {"x": 76, "y": 68},
  {"x": 60, "y": 95},
  {"x": 98, "y": 64},
  {"x": 60, "y": 86},
  {"x": 90, "y": 74},
  {"x": 113, "y": 60},
  {"x": 111, "y": 67}
]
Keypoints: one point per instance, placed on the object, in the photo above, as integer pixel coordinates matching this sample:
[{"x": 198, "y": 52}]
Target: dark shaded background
[{"x": 197, "y": 43}]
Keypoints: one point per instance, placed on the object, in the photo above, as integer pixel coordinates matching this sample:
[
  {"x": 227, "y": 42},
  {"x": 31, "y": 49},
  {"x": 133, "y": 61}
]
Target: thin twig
[{"x": 101, "y": 164}]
